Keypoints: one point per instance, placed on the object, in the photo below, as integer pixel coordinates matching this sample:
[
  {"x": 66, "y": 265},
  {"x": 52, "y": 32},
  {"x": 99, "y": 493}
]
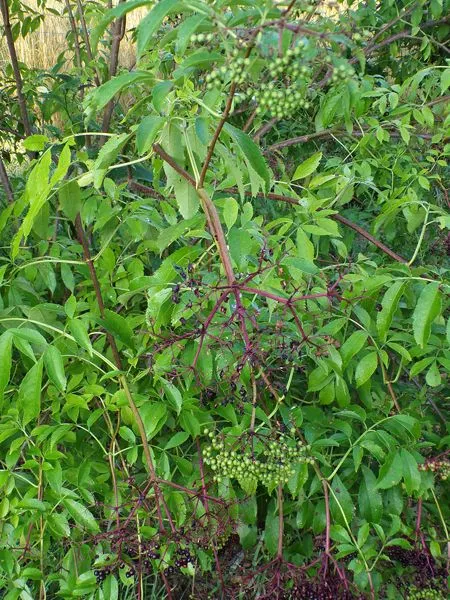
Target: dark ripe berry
[
  {"x": 96, "y": 572},
  {"x": 176, "y": 287},
  {"x": 129, "y": 573}
]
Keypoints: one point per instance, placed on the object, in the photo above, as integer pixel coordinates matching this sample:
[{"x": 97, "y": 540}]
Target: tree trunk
[{"x": 15, "y": 65}]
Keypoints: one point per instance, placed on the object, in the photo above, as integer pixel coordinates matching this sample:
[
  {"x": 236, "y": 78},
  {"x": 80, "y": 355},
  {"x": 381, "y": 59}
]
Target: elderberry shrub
[{"x": 267, "y": 461}]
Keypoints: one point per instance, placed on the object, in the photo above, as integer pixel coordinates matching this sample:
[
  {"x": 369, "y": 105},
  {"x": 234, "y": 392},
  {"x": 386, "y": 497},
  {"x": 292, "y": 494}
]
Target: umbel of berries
[
  {"x": 236, "y": 71},
  {"x": 273, "y": 464},
  {"x": 342, "y": 73}
]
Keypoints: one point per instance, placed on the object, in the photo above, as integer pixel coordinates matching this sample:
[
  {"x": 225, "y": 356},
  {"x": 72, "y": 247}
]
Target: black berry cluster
[
  {"x": 101, "y": 574},
  {"x": 273, "y": 464},
  {"x": 184, "y": 558},
  {"x": 412, "y": 558}
]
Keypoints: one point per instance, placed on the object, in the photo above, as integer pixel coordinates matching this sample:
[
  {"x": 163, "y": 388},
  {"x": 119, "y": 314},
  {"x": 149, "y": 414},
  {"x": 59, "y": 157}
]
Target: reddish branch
[
  {"x": 301, "y": 139},
  {"x": 336, "y": 217}
]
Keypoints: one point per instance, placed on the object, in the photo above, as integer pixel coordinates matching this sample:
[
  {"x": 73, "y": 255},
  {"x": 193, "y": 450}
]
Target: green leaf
[
  {"x": 445, "y": 80},
  {"x": 353, "y": 345},
  {"x": 271, "y": 530},
  {"x": 389, "y": 305},
  {"x": 67, "y": 277},
  {"x": 251, "y": 152},
  {"x": 159, "y": 94},
  {"x": 107, "y": 155},
  {"x": 366, "y": 368},
  {"x": 151, "y": 22},
  {"x": 99, "y": 97},
  {"x": 305, "y": 248},
  {"x": 35, "y": 196},
  {"x": 62, "y": 167},
  {"x": 154, "y": 415},
  {"x": 307, "y": 167},
  {"x": 338, "y": 533},
  {"x": 35, "y": 143},
  {"x": 81, "y": 515},
  {"x": 146, "y": 133},
  {"x": 5, "y": 361},
  {"x": 341, "y": 503},
  {"x": 391, "y": 472},
  {"x": 176, "y": 440},
  {"x": 230, "y": 212},
  {"x": 427, "y": 309},
  {"x": 363, "y": 534},
  {"x": 433, "y": 376},
  {"x": 30, "y": 393},
  {"x": 173, "y": 394},
  {"x": 411, "y": 474},
  {"x": 118, "y": 326},
  {"x": 54, "y": 365},
  {"x": 110, "y": 588},
  {"x": 79, "y": 332},
  {"x": 69, "y": 196},
  {"x": 370, "y": 502},
  {"x": 186, "y": 197}
]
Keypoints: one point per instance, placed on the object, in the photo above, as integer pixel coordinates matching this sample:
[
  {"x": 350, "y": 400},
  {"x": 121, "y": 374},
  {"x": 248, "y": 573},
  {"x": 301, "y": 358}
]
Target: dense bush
[{"x": 224, "y": 344}]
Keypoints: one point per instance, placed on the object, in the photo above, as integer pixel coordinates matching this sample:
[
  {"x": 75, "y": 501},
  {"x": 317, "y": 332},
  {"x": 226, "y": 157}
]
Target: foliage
[{"x": 215, "y": 378}]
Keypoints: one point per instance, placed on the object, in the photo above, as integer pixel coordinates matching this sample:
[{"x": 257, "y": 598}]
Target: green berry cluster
[
  {"x": 271, "y": 466},
  {"x": 200, "y": 38},
  {"x": 440, "y": 467},
  {"x": 342, "y": 73},
  {"x": 280, "y": 102},
  {"x": 236, "y": 71},
  {"x": 289, "y": 65},
  {"x": 414, "y": 593}
]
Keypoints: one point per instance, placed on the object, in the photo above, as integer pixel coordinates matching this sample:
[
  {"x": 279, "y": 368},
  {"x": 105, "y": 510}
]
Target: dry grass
[{"x": 40, "y": 49}]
